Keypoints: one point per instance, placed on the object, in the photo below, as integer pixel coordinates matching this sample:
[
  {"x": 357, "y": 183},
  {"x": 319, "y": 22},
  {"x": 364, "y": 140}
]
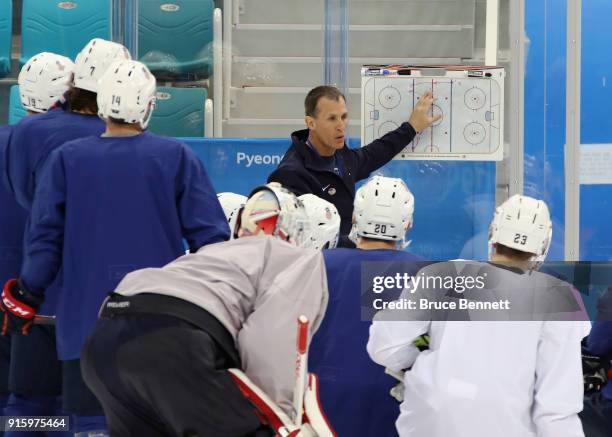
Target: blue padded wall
[{"x": 454, "y": 200}]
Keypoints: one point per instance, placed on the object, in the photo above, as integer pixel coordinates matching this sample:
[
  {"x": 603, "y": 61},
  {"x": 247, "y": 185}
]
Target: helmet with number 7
[
  {"x": 383, "y": 210},
  {"x": 522, "y": 223},
  {"x": 127, "y": 93},
  {"x": 93, "y": 61},
  {"x": 43, "y": 80}
]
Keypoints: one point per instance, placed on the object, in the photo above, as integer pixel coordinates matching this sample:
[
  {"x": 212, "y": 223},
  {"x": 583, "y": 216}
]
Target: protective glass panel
[
  {"x": 596, "y": 135},
  {"x": 545, "y": 27},
  {"x": 595, "y": 231}
]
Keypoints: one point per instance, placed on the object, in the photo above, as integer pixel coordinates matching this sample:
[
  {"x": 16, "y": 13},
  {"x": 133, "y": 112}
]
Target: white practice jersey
[{"x": 486, "y": 378}]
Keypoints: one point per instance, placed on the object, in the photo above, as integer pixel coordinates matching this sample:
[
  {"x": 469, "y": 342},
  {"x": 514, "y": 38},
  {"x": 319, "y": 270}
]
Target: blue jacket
[
  {"x": 354, "y": 389},
  {"x": 12, "y": 223},
  {"x": 107, "y": 206},
  {"x": 303, "y": 171}
]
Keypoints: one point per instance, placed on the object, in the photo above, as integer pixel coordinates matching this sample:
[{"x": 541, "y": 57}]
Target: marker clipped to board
[{"x": 377, "y": 72}]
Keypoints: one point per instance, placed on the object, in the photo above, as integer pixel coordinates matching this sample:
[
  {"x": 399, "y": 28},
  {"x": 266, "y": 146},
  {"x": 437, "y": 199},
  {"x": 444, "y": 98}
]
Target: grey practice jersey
[{"x": 256, "y": 287}]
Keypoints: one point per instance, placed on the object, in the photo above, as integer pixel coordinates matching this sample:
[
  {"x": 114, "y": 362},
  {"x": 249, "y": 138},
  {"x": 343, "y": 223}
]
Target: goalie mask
[
  {"x": 273, "y": 210},
  {"x": 43, "y": 80},
  {"x": 127, "y": 93},
  {"x": 522, "y": 223},
  {"x": 383, "y": 211},
  {"x": 232, "y": 205},
  {"x": 324, "y": 222}
]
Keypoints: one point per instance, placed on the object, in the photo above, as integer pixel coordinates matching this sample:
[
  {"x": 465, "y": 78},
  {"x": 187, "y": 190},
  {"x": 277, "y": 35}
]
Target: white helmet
[
  {"x": 383, "y": 210},
  {"x": 43, "y": 80},
  {"x": 274, "y": 210},
  {"x": 324, "y": 222},
  {"x": 232, "y": 203},
  {"x": 522, "y": 223},
  {"x": 93, "y": 61},
  {"x": 127, "y": 92}
]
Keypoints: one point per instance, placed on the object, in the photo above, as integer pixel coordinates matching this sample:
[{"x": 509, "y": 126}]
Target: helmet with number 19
[{"x": 43, "y": 80}]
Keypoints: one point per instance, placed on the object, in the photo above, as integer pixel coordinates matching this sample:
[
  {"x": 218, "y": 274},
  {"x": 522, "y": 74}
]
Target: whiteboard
[{"x": 472, "y": 110}]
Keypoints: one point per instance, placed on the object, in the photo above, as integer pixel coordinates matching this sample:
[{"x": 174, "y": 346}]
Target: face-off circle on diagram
[
  {"x": 389, "y": 97},
  {"x": 437, "y": 111},
  {"x": 474, "y": 133},
  {"x": 475, "y": 98},
  {"x": 429, "y": 148},
  {"x": 386, "y": 127}
]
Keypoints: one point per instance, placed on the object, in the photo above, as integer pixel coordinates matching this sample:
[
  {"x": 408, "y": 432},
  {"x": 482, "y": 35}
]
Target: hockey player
[
  {"x": 323, "y": 217},
  {"x": 33, "y": 139},
  {"x": 11, "y": 241},
  {"x": 498, "y": 377},
  {"x": 107, "y": 205},
  {"x": 597, "y": 414},
  {"x": 34, "y": 380},
  {"x": 324, "y": 222},
  {"x": 354, "y": 390},
  {"x": 232, "y": 205},
  {"x": 170, "y": 334},
  {"x": 31, "y": 142}
]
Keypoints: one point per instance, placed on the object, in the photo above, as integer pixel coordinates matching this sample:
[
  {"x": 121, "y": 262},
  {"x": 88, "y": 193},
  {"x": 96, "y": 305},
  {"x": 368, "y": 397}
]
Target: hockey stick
[
  {"x": 40, "y": 319},
  {"x": 301, "y": 364}
]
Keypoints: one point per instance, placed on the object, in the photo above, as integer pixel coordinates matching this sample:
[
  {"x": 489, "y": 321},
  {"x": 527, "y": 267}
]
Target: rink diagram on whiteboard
[{"x": 471, "y": 127}]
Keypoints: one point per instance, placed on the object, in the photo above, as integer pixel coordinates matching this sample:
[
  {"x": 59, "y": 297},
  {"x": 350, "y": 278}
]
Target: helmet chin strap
[
  {"x": 491, "y": 251},
  {"x": 403, "y": 243},
  {"x": 147, "y": 118},
  {"x": 353, "y": 234}
]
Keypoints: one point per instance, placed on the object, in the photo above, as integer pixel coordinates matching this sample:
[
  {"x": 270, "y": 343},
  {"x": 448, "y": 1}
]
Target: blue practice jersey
[
  {"x": 12, "y": 223},
  {"x": 34, "y": 138},
  {"x": 354, "y": 389},
  {"x": 106, "y": 206},
  {"x": 30, "y": 143}
]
